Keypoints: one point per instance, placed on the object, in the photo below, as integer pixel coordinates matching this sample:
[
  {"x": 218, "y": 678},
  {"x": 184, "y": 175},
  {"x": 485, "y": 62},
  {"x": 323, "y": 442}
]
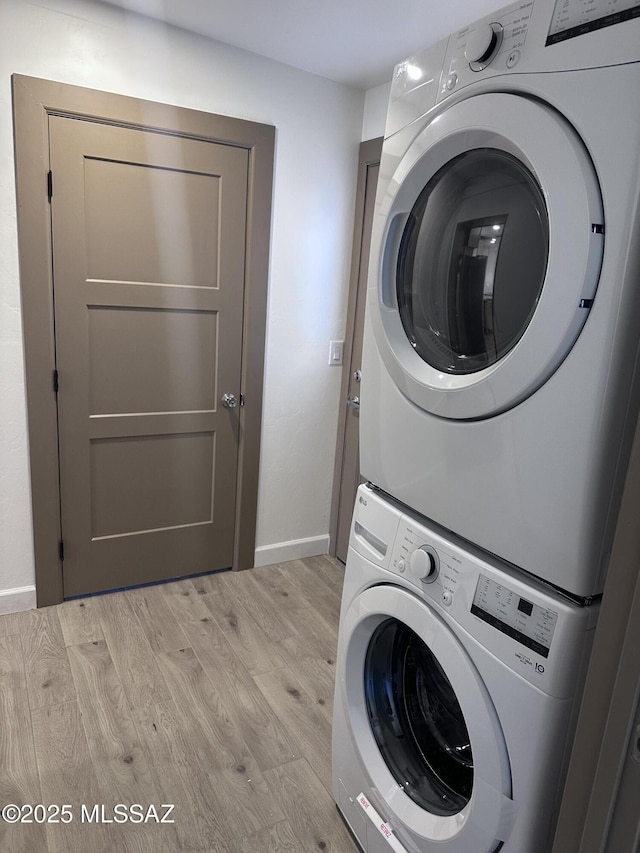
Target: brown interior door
[
  {"x": 149, "y": 268},
  {"x": 350, "y": 470}
]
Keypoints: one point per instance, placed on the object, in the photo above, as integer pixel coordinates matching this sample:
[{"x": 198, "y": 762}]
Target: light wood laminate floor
[{"x": 213, "y": 695}]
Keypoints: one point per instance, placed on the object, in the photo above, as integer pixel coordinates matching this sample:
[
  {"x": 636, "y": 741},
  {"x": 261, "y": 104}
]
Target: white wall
[
  {"x": 375, "y": 111},
  {"x": 319, "y": 126}
]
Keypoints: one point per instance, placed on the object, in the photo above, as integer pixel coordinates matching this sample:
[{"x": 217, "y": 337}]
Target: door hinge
[
  {"x": 50, "y": 184},
  {"x": 61, "y": 550},
  {"x": 56, "y": 383},
  {"x": 242, "y": 399}
]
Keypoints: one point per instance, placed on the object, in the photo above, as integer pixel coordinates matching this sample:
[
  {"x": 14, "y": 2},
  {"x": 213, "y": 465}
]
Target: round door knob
[
  {"x": 482, "y": 46},
  {"x": 229, "y": 401},
  {"x": 353, "y": 402},
  {"x": 424, "y": 564}
]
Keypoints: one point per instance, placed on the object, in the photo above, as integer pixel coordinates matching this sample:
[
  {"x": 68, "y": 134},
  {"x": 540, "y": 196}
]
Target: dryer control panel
[
  {"x": 526, "y": 37},
  {"x": 493, "y": 42},
  {"x": 572, "y": 18}
]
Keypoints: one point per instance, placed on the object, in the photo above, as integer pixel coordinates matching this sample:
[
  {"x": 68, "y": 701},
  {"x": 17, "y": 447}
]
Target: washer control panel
[
  {"x": 439, "y": 571},
  {"x": 428, "y": 565},
  {"x": 516, "y": 616},
  {"x": 524, "y": 624}
]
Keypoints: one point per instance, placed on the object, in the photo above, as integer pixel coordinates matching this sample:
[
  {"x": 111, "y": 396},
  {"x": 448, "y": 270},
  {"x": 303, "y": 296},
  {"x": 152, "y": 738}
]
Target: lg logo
[{"x": 362, "y": 501}]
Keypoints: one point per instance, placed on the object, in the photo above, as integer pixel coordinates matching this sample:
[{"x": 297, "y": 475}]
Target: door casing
[
  {"x": 34, "y": 100},
  {"x": 346, "y": 472}
]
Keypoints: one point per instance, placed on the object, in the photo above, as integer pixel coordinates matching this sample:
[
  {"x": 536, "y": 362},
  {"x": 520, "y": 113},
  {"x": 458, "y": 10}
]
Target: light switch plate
[{"x": 336, "y": 348}]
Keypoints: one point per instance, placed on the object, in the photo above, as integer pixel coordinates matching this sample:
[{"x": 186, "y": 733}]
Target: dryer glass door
[
  {"x": 472, "y": 261},
  {"x": 487, "y": 245},
  {"x": 417, "y": 721}
]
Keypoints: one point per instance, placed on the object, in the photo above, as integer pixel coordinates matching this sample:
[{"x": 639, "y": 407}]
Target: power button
[{"x": 447, "y": 597}]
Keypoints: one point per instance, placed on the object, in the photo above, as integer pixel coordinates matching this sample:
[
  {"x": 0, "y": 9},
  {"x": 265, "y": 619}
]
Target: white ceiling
[{"x": 356, "y": 42}]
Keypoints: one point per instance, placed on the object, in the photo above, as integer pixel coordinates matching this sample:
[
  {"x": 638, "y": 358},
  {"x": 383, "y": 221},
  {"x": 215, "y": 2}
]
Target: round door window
[
  {"x": 417, "y": 721},
  {"x": 472, "y": 261},
  {"x": 486, "y": 252}
]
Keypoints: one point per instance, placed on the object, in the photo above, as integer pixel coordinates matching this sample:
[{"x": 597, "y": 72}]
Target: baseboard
[
  {"x": 296, "y": 549},
  {"x": 14, "y": 600}
]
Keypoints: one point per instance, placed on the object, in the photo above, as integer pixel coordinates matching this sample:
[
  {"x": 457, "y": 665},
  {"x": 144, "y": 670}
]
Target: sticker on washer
[{"x": 382, "y": 826}]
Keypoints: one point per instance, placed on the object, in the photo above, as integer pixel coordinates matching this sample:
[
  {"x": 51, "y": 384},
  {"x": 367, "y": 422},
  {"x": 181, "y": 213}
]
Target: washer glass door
[
  {"x": 422, "y": 723},
  {"x": 417, "y": 721}
]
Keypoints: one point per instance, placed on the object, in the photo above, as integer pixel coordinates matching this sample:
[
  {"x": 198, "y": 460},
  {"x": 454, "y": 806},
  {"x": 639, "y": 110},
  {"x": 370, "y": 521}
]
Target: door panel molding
[
  {"x": 35, "y": 101},
  {"x": 163, "y": 217}
]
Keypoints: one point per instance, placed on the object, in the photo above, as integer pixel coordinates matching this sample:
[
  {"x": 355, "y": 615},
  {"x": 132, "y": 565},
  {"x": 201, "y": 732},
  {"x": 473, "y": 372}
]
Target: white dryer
[
  {"x": 456, "y": 693},
  {"x": 503, "y": 314}
]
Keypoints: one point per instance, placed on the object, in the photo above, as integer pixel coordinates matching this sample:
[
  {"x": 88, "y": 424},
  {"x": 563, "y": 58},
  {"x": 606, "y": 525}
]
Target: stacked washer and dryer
[{"x": 499, "y": 397}]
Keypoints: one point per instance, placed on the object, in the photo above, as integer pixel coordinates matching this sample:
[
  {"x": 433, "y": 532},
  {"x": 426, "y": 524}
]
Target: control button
[
  {"x": 452, "y": 79},
  {"x": 513, "y": 58},
  {"x": 447, "y": 597},
  {"x": 402, "y": 566},
  {"x": 482, "y": 45},
  {"x": 425, "y": 564}
]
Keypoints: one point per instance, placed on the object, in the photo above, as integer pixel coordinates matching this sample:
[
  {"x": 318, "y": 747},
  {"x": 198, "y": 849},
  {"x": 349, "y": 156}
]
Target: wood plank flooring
[{"x": 213, "y": 695}]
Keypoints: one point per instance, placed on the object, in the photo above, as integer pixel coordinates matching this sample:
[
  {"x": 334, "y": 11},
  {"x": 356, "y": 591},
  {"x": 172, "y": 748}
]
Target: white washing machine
[
  {"x": 503, "y": 313},
  {"x": 456, "y": 694}
]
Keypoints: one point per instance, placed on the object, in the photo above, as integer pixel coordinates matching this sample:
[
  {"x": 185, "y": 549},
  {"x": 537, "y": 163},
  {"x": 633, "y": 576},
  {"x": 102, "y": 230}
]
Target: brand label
[{"x": 526, "y": 661}]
